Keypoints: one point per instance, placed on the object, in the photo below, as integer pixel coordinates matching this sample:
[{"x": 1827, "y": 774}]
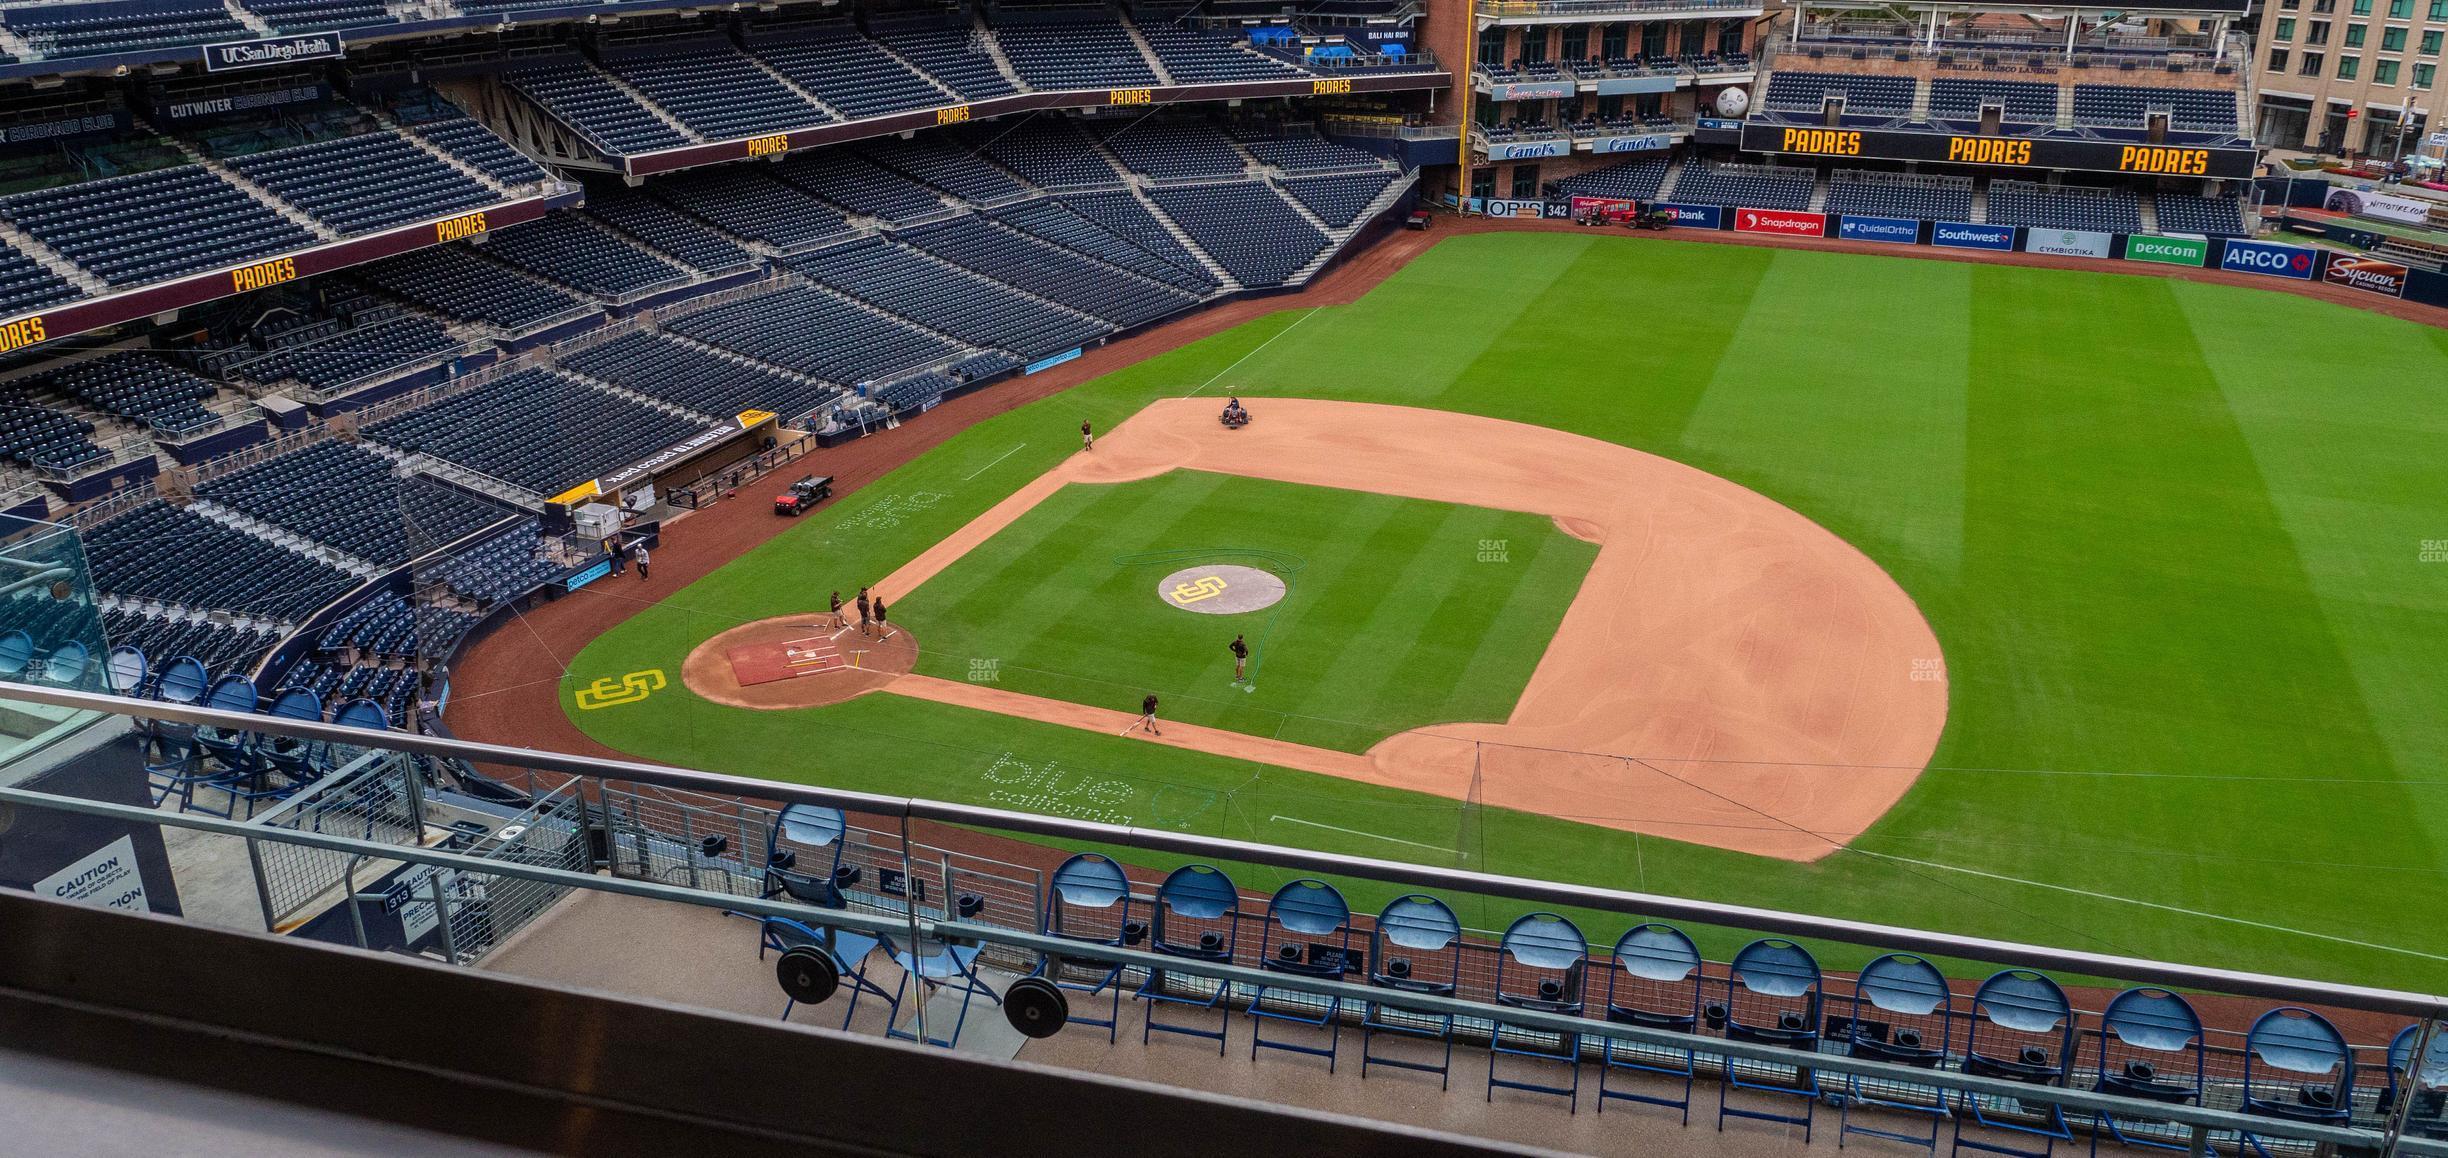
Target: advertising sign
[
  {"x": 1527, "y": 150},
  {"x": 1506, "y": 207},
  {"x": 277, "y": 50},
  {"x": 1694, "y": 216},
  {"x": 1544, "y": 90},
  {"x": 2192, "y": 251},
  {"x": 1632, "y": 144},
  {"x": 1965, "y": 235},
  {"x": 2067, "y": 242},
  {"x": 1616, "y": 85},
  {"x": 2004, "y": 152},
  {"x": 2369, "y": 274},
  {"x": 1785, "y": 222},
  {"x": 2375, "y": 204},
  {"x": 1892, "y": 230},
  {"x": 2270, "y": 259}
]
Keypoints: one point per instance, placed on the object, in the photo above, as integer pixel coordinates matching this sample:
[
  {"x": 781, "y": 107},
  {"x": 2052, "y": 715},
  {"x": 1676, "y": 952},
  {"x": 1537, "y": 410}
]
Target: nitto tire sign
[
  {"x": 2269, "y": 260},
  {"x": 265, "y": 53}
]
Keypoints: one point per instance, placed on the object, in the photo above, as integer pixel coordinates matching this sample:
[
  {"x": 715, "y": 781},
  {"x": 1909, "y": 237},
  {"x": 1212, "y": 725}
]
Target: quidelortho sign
[
  {"x": 1893, "y": 230},
  {"x": 2192, "y": 251},
  {"x": 277, "y": 50}
]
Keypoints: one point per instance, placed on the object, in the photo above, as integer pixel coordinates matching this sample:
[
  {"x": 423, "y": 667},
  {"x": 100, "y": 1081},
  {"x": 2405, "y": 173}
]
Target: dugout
[{"x": 682, "y": 465}]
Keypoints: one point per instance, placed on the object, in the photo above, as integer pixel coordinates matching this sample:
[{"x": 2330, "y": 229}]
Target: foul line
[
  {"x": 990, "y": 466},
  {"x": 1236, "y": 363},
  {"x": 2152, "y": 905},
  {"x": 1357, "y": 832}
]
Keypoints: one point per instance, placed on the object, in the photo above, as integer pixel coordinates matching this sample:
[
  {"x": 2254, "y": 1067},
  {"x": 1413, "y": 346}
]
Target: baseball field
[{"x": 2174, "y": 558}]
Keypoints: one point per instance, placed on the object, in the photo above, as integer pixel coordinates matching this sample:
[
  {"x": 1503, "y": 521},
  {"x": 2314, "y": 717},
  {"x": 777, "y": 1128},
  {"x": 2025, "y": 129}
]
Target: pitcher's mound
[{"x": 795, "y": 661}]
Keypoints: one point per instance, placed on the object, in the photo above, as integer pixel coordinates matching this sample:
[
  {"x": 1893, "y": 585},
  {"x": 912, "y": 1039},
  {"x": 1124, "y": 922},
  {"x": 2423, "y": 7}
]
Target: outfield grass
[
  {"x": 2170, "y": 535},
  {"x": 1063, "y": 604}
]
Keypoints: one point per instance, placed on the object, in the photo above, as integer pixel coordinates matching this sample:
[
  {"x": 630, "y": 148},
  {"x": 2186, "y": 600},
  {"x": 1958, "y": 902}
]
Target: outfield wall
[{"x": 2284, "y": 261}]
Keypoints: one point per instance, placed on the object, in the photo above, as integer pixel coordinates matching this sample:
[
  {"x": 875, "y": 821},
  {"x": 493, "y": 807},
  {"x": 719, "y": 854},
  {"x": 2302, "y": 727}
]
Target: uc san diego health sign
[{"x": 240, "y": 54}]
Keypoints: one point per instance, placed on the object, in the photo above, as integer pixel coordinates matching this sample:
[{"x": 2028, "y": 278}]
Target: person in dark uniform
[
  {"x": 1240, "y": 653},
  {"x": 883, "y": 619},
  {"x": 612, "y": 550},
  {"x": 1087, "y": 435},
  {"x": 862, "y": 610},
  {"x": 1147, "y": 716},
  {"x": 838, "y": 621}
]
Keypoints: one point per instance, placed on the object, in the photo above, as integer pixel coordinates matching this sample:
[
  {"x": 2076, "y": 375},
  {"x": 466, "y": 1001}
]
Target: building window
[
  {"x": 2354, "y": 35},
  {"x": 1653, "y": 41},
  {"x": 2278, "y": 59},
  {"x": 1492, "y": 45},
  {"x": 2288, "y": 5},
  {"x": 2392, "y": 40},
  {"x": 2439, "y": 10},
  {"x": 1525, "y": 182},
  {"x": 1613, "y": 41},
  {"x": 2385, "y": 72},
  {"x": 2311, "y": 66},
  {"x": 2348, "y": 66},
  {"x": 2318, "y": 34},
  {"x": 2422, "y": 75},
  {"x": 2286, "y": 29},
  {"x": 2431, "y": 42},
  {"x": 1576, "y": 42},
  {"x": 2362, "y": 7},
  {"x": 2400, "y": 9},
  {"x": 2321, "y": 6},
  {"x": 1730, "y": 35}
]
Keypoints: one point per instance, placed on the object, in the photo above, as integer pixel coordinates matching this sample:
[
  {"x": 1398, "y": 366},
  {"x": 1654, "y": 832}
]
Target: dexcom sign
[{"x": 2269, "y": 260}]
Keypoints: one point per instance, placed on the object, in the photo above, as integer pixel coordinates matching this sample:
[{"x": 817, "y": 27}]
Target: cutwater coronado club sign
[{"x": 278, "y": 50}]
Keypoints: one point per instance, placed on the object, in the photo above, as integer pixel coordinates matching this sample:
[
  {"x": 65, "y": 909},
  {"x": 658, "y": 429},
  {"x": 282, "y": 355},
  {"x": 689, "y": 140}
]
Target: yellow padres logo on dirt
[
  {"x": 1203, "y": 587},
  {"x": 1220, "y": 589},
  {"x": 613, "y": 691}
]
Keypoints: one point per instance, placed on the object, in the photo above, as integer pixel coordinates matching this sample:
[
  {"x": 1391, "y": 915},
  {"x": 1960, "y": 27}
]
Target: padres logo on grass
[
  {"x": 613, "y": 691},
  {"x": 1220, "y": 589}
]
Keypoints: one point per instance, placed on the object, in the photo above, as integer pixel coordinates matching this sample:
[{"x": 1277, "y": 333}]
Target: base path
[{"x": 1730, "y": 673}]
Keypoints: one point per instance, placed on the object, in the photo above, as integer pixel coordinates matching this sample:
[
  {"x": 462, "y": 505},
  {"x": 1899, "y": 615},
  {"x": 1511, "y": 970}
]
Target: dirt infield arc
[{"x": 1730, "y": 673}]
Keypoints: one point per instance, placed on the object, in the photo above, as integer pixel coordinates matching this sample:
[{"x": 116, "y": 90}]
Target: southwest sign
[
  {"x": 2001, "y": 152},
  {"x": 2192, "y": 251}
]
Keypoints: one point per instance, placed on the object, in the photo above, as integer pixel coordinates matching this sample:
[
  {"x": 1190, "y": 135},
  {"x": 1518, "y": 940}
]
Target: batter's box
[{"x": 789, "y": 659}]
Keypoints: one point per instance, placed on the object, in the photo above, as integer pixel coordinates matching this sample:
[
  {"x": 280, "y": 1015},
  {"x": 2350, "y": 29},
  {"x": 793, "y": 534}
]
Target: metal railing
[
  {"x": 700, "y": 838},
  {"x": 1501, "y": 9}
]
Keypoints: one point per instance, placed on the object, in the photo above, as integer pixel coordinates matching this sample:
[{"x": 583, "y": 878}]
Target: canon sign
[{"x": 279, "y": 50}]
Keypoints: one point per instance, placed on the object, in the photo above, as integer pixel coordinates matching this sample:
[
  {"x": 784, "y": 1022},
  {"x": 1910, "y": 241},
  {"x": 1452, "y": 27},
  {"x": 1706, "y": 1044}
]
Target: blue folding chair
[
  {"x": 242, "y": 771},
  {"x": 294, "y": 760},
  {"x": 1307, "y": 933},
  {"x": 176, "y": 767},
  {"x": 1655, "y": 984},
  {"x": 847, "y": 951},
  {"x": 16, "y": 654},
  {"x": 1541, "y": 965},
  {"x": 2426, "y": 1116},
  {"x": 67, "y": 664},
  {"x": 929, "y": 966},
  {"x": 2296, "y": 1067},
  {"x": 1416, "y": 948},
  {"x": 1772, "y": 998},
  {"x": 803, "y": 855},
  {"x": 2151, "y": 1048},
  {"x": 1088, "y": 900},
  {"x": 125, "y": 671},
  {"x": 2022, "y": 1030},
  {"x": 1197, "y": 917},
  {"x": 1902, "y": 1014}
]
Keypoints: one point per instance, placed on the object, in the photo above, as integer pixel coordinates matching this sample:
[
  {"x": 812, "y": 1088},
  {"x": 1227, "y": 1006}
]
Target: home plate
[{"x": 764, "y": 663}]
